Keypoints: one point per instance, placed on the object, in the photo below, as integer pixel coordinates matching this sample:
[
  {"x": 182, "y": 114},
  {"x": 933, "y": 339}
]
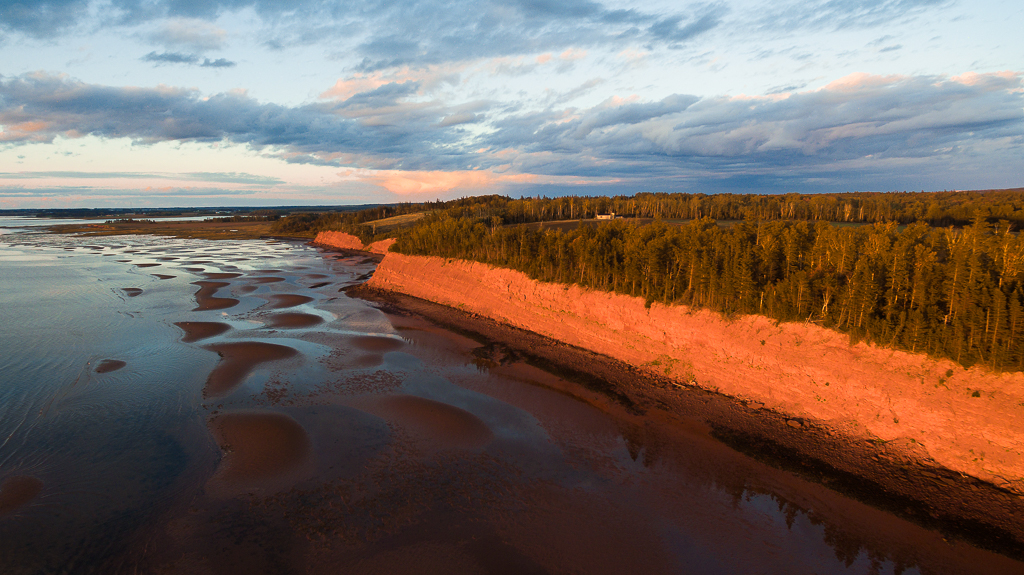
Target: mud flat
[
  {"x": 434, "y": 423},
  {"x": 903, "y": 432},
  {"x": 286, "y": 300},
  {"x": 205, "y": 299},
  {"x": 238, "y": 360},
  {"x": 109, "y": 365},
  {"x": 261, "y": 449},
  {"x": 198, "y": 330},
  {"x": 293, "y": 320},
  {"x": 17, "y": 491}
]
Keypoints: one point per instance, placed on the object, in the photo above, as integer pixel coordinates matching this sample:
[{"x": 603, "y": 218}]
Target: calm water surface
[{"x": 301, "y": 431}]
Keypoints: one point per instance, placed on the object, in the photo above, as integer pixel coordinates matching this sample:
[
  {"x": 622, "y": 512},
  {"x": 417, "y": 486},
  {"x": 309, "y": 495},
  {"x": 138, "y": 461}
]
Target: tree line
[
  {"x": 940, "y": 209},
  {"x": 953, "y": 292}
]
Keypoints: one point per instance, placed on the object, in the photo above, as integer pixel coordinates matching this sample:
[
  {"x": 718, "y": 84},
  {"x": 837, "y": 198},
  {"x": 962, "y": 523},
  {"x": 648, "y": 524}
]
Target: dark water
[{"x": 301, "y": 431}]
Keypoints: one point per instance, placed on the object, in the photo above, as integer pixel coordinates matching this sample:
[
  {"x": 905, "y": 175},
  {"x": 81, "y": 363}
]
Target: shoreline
[{"x": 882, "y": 475}]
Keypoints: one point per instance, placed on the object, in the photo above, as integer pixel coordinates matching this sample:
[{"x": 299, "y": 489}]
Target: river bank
[{"x": 925, "y": 438}]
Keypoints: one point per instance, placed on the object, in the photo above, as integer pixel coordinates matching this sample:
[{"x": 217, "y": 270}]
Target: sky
[{"x": 147, "y": 103}]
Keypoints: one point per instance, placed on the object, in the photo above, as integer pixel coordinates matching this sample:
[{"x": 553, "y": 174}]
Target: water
[{"x": 309, "y": 432}]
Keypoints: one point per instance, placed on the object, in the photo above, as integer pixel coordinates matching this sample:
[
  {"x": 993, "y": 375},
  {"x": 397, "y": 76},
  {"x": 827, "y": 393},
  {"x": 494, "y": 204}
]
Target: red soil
[{"x": 345, "y": 241}]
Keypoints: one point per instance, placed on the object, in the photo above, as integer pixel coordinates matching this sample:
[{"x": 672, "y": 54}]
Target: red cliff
[{"x": 965, "y": 420}]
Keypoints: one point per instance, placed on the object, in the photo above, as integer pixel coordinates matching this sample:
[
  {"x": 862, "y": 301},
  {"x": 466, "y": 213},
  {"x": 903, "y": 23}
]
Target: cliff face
[
  {"x": 965, "y": 420},
  {"x": 349, "y": 242}
]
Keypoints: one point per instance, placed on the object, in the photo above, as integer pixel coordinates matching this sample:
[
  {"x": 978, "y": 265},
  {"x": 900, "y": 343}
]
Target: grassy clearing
[{"x": 395, "y": 222}]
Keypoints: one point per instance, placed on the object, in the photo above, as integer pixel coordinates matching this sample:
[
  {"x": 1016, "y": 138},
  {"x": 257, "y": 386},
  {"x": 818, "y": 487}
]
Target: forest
[{"x": 936, "y": 281}]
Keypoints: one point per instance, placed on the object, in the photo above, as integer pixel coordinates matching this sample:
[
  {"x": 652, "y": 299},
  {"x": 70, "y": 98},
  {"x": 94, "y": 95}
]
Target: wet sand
[
  {"x": 260, "y": 449},
  {"x": 17, "y": 491},
  {"x": 199, "y": 330},
  {"x": 109, "y": 365},
  {"x": 883, "y": 476},
  {"x": 238, "y": 360},
  {"x": 131, "y": 292},
  {"x": 267, "y": 280},
  {"x": 377, "y": 344},
  {"x": 435, "y": 424},
  {"x": 286, "y": 300},
  {"x": 293, "y": 320},
  {"x": 207, "y": 301},
  {"x": 221, "y": 275},
  {"x": 163, "y": 276}
]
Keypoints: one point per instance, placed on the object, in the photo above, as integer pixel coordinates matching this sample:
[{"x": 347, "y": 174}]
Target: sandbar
[
  {"x": 377, "y": 344},
  {"x": 17, "y": 491},
  {"x": 283, "y": 300},
  {"x": 293, "y": 320},
  {"x": 442, "y": 425},
  {"x": 197, "y": 330},
  {"x": 206, "y": 300},
  {"x": 267, "y": 280},
  {"x": 258, "y": 446},
  {"x": 238, "y": 360},
  {"x": 109, "y": 365}
]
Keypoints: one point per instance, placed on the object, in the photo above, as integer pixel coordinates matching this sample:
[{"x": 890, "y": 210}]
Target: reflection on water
[{"x": 237, "y": 413}]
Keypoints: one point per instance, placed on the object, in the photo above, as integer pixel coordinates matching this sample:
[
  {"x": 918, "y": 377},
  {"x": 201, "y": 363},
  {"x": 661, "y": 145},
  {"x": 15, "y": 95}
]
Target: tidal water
[{"x": 188, "y": 406}]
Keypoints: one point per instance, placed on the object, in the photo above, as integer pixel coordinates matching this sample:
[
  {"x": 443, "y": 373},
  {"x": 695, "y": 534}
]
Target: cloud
[
  {"x": 179, "y": 58},
  {"x": 42, "y": 18},
  {"x": 679, "y": 29},
  {"x": 218, "y": 63},
  {"x": 840, "y": 14},
  {"x": 170, "y": 58},
  {"x": 381, "y": 34},
  {"x": 220, "y": 177},
  {"x": 926, "y": 127},
  {"x": 190, "y": 33},
  {"x": 860, "y": 126}
]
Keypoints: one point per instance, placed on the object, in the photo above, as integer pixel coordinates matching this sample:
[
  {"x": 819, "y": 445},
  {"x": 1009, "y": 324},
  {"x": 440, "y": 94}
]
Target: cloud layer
[{"x": 846, "y": 128}]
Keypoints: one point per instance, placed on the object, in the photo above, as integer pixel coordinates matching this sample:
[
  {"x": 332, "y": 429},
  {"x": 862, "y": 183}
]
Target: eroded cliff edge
[{"x": 967, "y": 421}]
